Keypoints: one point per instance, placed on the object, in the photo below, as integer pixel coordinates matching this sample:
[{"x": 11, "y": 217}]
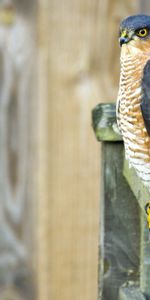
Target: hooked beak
[
  {"x": 126, "y": 36},
  {"x": 124, "y": 40}
]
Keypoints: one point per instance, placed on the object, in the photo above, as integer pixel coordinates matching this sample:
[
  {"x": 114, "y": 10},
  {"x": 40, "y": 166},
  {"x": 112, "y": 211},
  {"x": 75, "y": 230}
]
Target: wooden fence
[
  {"x": 124, "y": 258},
  {"x": 56, "y": 63}
]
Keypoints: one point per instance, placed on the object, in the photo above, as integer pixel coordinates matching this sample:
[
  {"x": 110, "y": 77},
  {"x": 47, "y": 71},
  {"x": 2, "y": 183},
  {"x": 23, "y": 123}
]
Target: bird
[{"x": 133, "y": 101}]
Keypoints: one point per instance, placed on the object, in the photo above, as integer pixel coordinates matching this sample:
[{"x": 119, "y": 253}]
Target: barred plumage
[{"x": 134, "y": 56}]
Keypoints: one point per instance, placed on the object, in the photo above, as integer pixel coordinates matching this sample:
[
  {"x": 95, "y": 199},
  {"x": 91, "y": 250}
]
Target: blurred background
[{"x": 58, "y": 59}]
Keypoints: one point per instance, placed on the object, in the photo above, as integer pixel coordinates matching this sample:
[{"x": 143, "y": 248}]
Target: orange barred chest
[
  {"x": 130, "y": 96},
  {"x": 129, "y": 115}
]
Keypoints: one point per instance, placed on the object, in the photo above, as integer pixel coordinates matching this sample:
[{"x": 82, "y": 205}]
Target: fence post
[{"x": 120, "y": 237}]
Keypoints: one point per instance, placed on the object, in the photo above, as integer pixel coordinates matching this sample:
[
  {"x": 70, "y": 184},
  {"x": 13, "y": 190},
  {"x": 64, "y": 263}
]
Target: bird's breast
[{"x": 129, "y": 115}]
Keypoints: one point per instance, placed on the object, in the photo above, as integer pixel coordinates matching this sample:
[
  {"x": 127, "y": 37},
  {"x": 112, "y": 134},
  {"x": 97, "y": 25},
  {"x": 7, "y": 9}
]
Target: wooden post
[{"x": 124, "y": 245}]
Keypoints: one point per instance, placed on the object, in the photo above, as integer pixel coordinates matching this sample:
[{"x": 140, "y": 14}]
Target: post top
[{"x": 104, "y": 122}]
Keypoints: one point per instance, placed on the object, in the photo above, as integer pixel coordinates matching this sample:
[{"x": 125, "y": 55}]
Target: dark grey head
[
  {"x": 137, "y": 26},
  {"x": 136, "y": 22}
]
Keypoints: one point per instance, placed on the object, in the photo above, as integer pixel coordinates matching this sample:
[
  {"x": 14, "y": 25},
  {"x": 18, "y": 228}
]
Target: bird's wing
[{"x": 145, "y": 104}]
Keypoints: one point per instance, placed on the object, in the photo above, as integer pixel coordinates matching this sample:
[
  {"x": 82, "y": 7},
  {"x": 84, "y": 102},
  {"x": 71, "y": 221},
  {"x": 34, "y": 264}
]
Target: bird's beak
[
  {"x": 123, "y": 40},
  {"x": 125, "y": 37}
]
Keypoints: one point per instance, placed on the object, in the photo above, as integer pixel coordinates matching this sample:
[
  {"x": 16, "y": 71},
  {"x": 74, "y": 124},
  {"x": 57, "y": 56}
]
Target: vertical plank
[
  {"x": 68, "y": 166},
  {"x": 120, "y": 230},
  {"x": 43, "y": 185},
  {"x": 16, "y": 246},
  {"x": 75, "y": 70},
  {"x": 73, "y": 161}
]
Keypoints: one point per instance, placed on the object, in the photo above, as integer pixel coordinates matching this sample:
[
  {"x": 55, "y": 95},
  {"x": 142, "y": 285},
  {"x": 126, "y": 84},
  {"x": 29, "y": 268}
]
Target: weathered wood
[
  {"x": 143, "y": 196},
  {"x": 104, "y": 122},
  {"x": 145, "y": 258},
  {"x": 120, "y": 226},
  {"x": 131, "y": 293},
  {"x": 137, "y": 195}
]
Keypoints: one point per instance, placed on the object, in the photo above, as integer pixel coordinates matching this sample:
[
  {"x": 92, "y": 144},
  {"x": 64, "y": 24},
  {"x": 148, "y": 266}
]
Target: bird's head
[{"x": 135, "y": 32}]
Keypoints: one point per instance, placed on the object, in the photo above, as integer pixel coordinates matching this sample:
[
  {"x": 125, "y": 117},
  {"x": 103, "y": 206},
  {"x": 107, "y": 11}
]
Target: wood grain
[
  {"x": 69, "y": 160},
  {"x": 46, "y": 123},
  {"x": 78, "y": 66}
]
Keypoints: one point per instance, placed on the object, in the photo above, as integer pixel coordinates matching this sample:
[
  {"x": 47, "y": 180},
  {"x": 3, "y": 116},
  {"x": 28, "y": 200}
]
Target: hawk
[{"x": 133, "y": 102}]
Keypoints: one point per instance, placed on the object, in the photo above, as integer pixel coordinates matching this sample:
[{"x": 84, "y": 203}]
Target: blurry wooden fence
[
  {"x": 59, "y": 58},
  {"x": 76, "y": 69}
]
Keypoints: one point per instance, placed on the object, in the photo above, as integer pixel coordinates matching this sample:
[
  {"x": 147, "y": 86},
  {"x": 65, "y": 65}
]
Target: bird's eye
[{"x": 142, "y": 32}]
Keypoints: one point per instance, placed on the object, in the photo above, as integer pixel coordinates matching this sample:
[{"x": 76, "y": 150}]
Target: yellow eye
[{"x": 142, "y": 32}]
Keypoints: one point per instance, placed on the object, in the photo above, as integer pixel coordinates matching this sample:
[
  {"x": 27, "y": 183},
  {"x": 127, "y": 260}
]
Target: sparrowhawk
[{"x": 133, "y": 103}]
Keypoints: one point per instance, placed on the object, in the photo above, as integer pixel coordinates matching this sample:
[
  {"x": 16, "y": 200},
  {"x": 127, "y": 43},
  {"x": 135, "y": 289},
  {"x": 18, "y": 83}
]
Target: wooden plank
[
  {"x": 42, "y": 175},
  {"x": 74, "y": 71},
  {"x": 16, "y": 201},
  {"x": 120, "y": 226},
  {"x": 68, "y": 165}
]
